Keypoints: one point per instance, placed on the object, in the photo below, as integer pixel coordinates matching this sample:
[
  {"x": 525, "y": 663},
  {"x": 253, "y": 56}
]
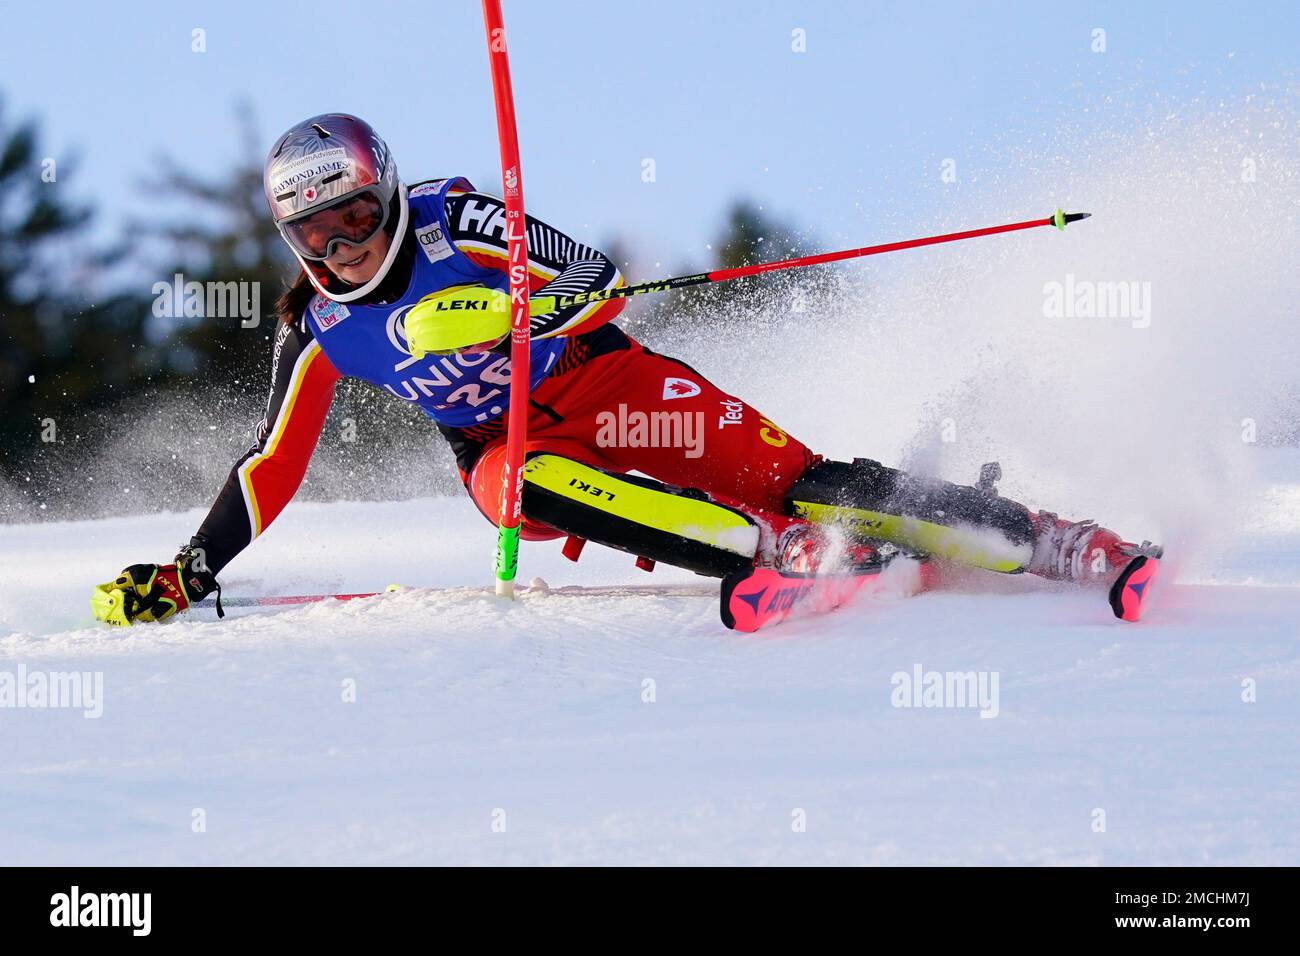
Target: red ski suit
[{"x": 636, "y": 410}]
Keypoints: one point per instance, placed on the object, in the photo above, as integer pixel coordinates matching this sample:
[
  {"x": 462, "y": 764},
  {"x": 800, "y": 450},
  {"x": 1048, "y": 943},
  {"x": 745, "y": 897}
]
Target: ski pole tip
[{"x": 1061, "y": 219}]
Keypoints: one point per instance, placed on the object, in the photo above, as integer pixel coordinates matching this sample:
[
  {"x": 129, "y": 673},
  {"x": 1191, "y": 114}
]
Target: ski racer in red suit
[{"x": 391, "y": 274}]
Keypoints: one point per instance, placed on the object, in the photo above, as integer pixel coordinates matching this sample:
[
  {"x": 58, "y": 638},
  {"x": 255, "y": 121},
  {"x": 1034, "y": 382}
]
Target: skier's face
[{"x": 357, "y": 265}]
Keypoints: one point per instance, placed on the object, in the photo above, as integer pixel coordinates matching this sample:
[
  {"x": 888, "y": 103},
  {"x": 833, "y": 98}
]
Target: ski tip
[
  {"x": 761, "y": 597},
  {"x": 1128, "y": 595}
]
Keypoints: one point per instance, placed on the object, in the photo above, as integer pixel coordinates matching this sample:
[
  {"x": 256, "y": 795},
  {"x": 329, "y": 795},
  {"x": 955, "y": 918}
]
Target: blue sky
[{"x": 845, "y": 139}]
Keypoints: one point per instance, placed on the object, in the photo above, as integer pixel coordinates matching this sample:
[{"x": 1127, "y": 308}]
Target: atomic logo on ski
[
  {"x": 763, "y": 597},
  {"x": 782, "y": 600},
  {"x": 753, "y": 600}
]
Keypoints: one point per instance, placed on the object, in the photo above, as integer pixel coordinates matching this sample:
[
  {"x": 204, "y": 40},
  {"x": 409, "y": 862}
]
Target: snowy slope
[
  {"x": 937, "y": 360},
  {"x": 465, "y": 707}
]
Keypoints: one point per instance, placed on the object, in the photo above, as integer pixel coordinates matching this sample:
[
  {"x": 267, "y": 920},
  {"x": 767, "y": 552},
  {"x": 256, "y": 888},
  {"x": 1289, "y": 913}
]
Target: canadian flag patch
[{"x": 680, "y": 388}]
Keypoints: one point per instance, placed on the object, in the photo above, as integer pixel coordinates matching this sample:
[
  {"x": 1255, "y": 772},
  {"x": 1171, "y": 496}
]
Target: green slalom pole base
[{"x": 507, "y": 560}]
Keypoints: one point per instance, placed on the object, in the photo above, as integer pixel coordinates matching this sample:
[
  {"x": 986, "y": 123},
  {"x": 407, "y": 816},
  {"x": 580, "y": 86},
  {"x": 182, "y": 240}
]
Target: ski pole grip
[{"x": 541, "y": 305}]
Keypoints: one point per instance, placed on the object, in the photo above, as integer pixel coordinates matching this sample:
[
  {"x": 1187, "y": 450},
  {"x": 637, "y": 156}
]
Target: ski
[
  {"x": 537, "y": 587},
  {"x": 748, "y": 600},
  {"x": 763, "y": 597},
  {"x": 276, "y": 600},
  {"x": 1128, "y": 595}
]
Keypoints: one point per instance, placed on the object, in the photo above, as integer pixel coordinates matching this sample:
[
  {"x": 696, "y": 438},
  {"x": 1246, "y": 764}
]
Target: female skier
[{"x": 406, "y": 288}]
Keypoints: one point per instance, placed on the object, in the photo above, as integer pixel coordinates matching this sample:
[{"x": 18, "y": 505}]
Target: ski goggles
[{"x": 353, "y": 219}]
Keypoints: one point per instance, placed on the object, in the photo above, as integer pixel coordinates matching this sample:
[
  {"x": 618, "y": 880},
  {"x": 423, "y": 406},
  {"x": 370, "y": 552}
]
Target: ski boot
[
  {"x": 807, "y": 549},
  {"x": 1083, "y": 551}
]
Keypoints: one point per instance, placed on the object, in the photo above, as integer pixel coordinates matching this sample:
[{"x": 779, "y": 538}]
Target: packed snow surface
[{"x": 445, "y": 726}]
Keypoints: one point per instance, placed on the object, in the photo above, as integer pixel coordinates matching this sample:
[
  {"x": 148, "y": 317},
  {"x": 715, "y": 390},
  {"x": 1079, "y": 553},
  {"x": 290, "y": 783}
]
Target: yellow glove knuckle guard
[{"x": 455, "y": 318}]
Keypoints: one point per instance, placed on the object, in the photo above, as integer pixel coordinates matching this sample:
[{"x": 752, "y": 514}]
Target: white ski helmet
[{"x": 331, "y": 180}]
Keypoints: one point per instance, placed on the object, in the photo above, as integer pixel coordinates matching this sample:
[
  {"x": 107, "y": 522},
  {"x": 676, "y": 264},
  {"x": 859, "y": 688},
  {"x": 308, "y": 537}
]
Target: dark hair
[{"x": 295, "y": 298}]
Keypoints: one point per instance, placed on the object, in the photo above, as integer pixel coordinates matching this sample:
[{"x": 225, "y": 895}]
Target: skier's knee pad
[
  {"x": 647, "y": 518},
  {"x": 939, "y": 517}
]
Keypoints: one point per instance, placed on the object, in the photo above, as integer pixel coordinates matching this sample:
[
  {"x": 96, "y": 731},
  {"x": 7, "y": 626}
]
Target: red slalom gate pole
[{"x": 509, "y": 517}]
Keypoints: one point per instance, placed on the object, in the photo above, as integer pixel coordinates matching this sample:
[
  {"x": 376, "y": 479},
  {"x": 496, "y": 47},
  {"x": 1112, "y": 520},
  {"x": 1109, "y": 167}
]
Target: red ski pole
[
  {"x": 507, "y": 556},
  {"x": 545, "y": 304}
]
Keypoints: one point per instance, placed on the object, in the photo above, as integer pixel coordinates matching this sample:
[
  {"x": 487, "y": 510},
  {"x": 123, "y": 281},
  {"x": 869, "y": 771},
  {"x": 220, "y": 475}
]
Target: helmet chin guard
[{"x": 320, "y": 275}]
